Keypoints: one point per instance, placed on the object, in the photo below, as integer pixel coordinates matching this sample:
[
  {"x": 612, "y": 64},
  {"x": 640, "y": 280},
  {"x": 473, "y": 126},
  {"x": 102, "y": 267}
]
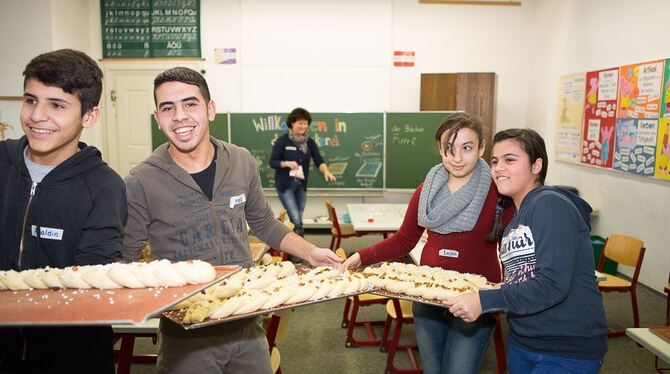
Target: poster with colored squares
[
  {"x": 599, "y": 117},
  {"x": 570, "y": 115},
  {"x": 663, "y": 150},
  {"x": 665, "y": 91},
  {"x": 635, "y": 150},
  {"x": 640, "y": 90}
]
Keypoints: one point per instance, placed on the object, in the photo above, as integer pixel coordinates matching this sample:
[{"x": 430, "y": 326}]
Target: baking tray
[
  {"x": 177, "y": 316},
  {"x": 59, "y": 307},
  {"x": 402, "y": 296}
]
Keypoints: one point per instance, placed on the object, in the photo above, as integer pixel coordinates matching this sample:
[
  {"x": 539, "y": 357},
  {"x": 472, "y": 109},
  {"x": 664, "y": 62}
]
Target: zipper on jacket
[{"x": 25, "y": 221}]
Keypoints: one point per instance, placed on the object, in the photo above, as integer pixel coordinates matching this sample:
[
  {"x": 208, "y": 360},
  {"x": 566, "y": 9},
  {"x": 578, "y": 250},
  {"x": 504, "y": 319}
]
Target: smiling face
[
  {"x": 512, "y": 170},
  {"x": 52, "y": 121},
  {"x": 300, "y": 127},
  {"x": 460, "y": 153},
  {"x": 183, "y": 115}
]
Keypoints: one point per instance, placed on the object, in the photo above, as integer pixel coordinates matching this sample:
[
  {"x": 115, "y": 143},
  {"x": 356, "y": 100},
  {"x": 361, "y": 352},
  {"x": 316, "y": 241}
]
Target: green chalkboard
[
  {"x": 150, "y": 28},
  {"x": 217, "y": 128},
  {"x": 410, "y": 147},
  {"x": 350, "y": 143}
]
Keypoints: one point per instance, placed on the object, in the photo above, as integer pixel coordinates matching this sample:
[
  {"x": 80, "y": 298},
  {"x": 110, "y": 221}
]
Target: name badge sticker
[
  {"x": 47, "y": 232},
  {"x": 291, "y": 148},
  {"x": 236, "y": 200},
  {"x": 448, "y": 253}
]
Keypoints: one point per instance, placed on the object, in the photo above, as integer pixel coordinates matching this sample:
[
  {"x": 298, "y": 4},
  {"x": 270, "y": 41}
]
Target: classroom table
[
  {"x": 653, "y": 343},
  {"x": 375, "y": 217}
]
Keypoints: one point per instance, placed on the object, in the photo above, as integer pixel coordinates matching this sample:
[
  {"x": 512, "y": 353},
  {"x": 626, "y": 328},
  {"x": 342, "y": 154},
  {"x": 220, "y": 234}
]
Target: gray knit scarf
[
  {"x": 299, "y": 140},
  {"x": 445, "y": 212}
]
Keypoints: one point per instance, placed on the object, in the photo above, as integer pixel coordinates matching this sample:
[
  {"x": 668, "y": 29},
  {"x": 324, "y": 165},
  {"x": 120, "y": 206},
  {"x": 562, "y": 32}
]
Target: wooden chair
[
  {"x": 276, "y": 254},
  {"x": 350, "y": 320},
  {"x": 667, "y": 303},
  {"x": 277, "y": 331},
  {"x": 341, "y": 231},
  {"x": 399, "y": 311},
  {"x": 625, "y": 250}
]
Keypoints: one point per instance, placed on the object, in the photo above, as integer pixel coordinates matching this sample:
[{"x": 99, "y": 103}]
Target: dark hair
[
  {"x": 72, "y": 71},
  {"x": 496, "y": 232},
  {"x": 183, "y": 75},
  {"x": 531, "y": 142},
  {"x": 454, "y": 123},
  {"x": 296, "y": 115}
]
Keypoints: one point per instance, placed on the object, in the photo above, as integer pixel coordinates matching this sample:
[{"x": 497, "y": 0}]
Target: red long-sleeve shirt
[{"x": 466, "y": 252}]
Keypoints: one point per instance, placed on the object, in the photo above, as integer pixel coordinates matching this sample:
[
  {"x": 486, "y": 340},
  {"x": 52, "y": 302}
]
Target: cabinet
[{"x": 473, "y": 93}]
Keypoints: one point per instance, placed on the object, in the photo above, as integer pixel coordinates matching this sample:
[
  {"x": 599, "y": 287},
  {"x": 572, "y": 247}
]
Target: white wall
[
  {"x": 579, "y": 36},
  {"x": 337, "y": 56},
  {"x": 19, "y": 43}
]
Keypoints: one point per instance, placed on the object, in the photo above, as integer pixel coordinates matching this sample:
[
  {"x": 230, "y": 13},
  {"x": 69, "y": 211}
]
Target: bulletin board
[{"x": 626, "y": 119}]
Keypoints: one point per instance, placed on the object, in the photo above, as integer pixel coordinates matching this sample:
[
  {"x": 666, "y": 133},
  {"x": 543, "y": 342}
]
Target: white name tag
[
  {"x": 236, "y": 200},
  {"x": 291, "y": 148},
  {"x": 448, "y": 253},
  {"x": 48, "y": 233}
]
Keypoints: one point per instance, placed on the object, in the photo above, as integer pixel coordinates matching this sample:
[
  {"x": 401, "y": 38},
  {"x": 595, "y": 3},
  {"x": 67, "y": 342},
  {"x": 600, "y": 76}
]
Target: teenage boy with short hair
[{"x": 60, "y": 205}]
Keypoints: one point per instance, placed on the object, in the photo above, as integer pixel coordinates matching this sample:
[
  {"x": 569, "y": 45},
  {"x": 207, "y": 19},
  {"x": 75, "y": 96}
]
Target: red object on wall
[{"x": 403, "y": 58}]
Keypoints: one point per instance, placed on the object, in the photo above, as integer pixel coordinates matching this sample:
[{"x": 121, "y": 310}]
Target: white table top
[
  {"x": 148, "y": 327},
  {"x": 375, "y": 217},
  {"x": 651, "y": 342}
]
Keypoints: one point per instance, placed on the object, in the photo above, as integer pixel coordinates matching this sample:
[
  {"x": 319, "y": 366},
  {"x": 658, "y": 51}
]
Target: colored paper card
[
  {"x": 599, "y": 117},
  {"x": 570, "y": 115},
  {"x": 665, "y": 99},
  {"x": 635, "y": 150},
  {"x": 663, "y": 150},
  {"x": 640, "y": 90}
]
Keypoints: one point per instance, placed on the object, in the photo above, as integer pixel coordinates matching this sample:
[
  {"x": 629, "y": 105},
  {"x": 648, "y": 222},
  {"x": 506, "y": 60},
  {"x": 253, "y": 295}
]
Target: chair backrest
[
  {"x": 277, "y": 330},
  {"x": 625, "y": 250},
  {"x": 282, "y": 215},
  {"x": 332, "y": 216}
]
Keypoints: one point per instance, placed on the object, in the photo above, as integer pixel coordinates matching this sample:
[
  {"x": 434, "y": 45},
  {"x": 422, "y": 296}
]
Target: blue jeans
[
  {"x": 293, "y": 200},
  {"x": 447, "y": 344},
  {"x": 523, "y": 361}
]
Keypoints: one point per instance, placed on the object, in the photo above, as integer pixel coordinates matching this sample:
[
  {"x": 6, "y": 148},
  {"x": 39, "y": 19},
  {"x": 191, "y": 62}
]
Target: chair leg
[
  {"x": 393, "y": 346},
  {"x": 636, "y": 316},
  {"x": 501, "y": 360},
  {"x": 345, "y": 314},
  {"x": 384, "y": 345},
  {"x": 126, "y": 354},
  {"x": 332, "y": 242},
  {"x": 338, "y": 241}
]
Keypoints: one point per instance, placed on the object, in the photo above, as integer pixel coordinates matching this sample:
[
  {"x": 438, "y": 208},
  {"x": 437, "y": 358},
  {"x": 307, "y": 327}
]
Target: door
[{"x": 129, "y": 106}]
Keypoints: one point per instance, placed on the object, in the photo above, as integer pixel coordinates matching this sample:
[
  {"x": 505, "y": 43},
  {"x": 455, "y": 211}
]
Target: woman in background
[
  {"x": 461, "y": 209},
  {"x": 290, "y": 158},
  {"x": 555, "y": 311}
]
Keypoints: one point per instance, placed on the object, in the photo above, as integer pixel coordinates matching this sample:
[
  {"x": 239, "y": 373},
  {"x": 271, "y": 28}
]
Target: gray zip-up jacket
[{"x": 167, "y": 208}]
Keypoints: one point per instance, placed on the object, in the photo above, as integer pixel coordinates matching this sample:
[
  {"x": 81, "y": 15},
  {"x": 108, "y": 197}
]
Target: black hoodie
[
  {"x": 550, "y": 291},
  {"x": 75, "y": 216}
]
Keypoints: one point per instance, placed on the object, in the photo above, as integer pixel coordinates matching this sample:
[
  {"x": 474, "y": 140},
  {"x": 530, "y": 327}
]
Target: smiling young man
[
  {"x": 60, "y": 205},
  {"x": 192, "y": 199}
]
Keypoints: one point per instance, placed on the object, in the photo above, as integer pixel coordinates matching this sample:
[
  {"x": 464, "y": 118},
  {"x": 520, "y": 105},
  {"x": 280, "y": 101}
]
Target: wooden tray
[
  {"x": 93, "y": 306},
  {"x": 662, "y": 332}
]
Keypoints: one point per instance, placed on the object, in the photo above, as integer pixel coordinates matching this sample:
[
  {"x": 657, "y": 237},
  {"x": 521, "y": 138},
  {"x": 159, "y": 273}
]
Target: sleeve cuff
[{"x": 492, "y": 301}]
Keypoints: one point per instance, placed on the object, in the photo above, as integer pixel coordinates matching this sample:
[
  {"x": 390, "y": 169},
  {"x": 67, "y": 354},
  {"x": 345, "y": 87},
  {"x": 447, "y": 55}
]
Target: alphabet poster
[
  {"x": 570, "y": 115},
  {"x": 635, "y": 150},
  {"x": 640, "y": 90},
  {"x": 599, "y": 117}
]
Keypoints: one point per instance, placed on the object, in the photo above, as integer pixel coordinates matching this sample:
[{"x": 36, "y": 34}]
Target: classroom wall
[
  {"x": 336, "y": 56},
  {"x": 579, "y": 36}
]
